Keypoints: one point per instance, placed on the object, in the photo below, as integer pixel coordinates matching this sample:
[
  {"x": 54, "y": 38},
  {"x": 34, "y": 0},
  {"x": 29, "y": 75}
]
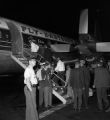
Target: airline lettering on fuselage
[
  {"x": 40, "y": 41},
  {"x": 40, "y": 33},
  {"x": 50, "y": 35},
  {"x": 28, "y": 30},
  {"x": 53, "y": 36}
]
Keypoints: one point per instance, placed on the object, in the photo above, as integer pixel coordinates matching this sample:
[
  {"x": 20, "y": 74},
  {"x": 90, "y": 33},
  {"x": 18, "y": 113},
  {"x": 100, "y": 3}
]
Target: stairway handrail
[
  {"x": 53, "y": 91},
  {"x": 59, "y": 77},
  {"x": 28, "y": 52}
]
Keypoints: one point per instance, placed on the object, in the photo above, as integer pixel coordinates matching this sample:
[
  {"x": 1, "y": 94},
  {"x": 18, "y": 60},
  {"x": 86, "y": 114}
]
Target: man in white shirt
[
  {"x": 60, "y": 66},
  {"x": 34, "y": 47},
  {"x": 60, "y": 69},
  {"x": 30, "y": 82}
]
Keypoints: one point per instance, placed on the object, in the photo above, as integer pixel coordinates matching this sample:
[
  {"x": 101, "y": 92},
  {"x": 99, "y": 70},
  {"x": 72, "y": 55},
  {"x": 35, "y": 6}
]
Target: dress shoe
[
  {"x": 100, "y": 110},
  {"x": 108, "y": 110},
  {"x": 106, "y": 107}
]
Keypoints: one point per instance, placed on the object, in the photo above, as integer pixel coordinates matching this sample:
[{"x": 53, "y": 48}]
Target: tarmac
[{"x": 12, "y": 105}]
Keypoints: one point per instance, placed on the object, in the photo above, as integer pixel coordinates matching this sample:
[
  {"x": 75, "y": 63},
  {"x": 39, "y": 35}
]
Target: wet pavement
[{"x": 12, "y": 105}]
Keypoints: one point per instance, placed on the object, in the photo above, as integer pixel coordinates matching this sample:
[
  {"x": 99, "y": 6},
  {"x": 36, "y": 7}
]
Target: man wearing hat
[
  {"x": 86, "y": 79},
  {"x": 77, "y": 84},
  {"x": 45, "y": 86},
  {"x": 48, "y": 89},
  {"x": 102, "y": 82},
  {"x": 41, "y": 80}
]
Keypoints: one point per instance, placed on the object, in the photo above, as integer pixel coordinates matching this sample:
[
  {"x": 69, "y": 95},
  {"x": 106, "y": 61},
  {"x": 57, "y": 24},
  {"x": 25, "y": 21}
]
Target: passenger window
[{"x": 5, "y": 35}]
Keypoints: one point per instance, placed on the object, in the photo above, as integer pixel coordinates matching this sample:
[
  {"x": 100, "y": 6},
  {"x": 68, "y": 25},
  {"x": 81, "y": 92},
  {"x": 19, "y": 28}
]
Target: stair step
[
  {"x": 18, "y": 55},
  {"x": 21, "y": 59},
  {"x": 24, "y": 61},
  {"x": 59, "y": 96},
  {"x": 59, "y": 93}
]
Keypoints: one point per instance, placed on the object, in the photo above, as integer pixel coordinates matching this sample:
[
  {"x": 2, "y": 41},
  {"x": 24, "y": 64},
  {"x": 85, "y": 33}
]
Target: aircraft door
[{"x": 16, "y": 38}]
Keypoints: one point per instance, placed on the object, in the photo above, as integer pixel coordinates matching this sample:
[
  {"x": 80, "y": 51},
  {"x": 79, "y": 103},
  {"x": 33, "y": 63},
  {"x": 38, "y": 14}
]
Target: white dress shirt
[
  {"x": 34, "y": 47},
  {"x": 60, "y": 66},
  {"x": 30, "y": 74}
]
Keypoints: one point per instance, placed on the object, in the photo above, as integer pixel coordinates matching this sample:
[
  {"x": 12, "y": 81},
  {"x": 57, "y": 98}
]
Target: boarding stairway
[
  {"x": 21, "y": 60},
  {"x": 58, "y": 91}
]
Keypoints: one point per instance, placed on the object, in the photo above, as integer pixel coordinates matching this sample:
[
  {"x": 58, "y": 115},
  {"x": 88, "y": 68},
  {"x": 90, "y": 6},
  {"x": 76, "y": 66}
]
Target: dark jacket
[
  {"x": 46, "y": 77},
  {"x": 85, "y": 75},
  {"x": 102, "y": 77},
  {"x": 76, "y": 80},
  {"x": 43, "y": 83}
]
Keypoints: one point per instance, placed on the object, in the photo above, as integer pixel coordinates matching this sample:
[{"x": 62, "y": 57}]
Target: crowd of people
[
  {"x": 31, "y": 81},
  {"x": 77, "y": 82},
  {"x": 40, "y": 77}
]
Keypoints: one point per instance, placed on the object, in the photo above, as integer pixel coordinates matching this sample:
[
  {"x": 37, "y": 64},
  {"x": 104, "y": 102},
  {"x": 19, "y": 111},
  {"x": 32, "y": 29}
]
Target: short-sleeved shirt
[
  {"x": 34, "y": 47},
  {"x": 29, "y": 73},
  {"x": 60, "y": 66}
]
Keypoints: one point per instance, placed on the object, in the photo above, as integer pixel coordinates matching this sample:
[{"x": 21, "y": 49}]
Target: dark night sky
[{"x": 58, "y": 17}]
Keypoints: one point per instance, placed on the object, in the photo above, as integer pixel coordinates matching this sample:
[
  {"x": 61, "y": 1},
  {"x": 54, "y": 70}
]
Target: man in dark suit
[
  {"x": 86, "y": 79},
  {"x": 102, "y": 82},
  {"x": 77, "y": 84}
]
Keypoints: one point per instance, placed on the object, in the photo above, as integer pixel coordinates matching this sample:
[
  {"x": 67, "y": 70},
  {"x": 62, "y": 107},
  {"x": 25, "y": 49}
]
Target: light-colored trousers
[{"x": 31, "y": 107}]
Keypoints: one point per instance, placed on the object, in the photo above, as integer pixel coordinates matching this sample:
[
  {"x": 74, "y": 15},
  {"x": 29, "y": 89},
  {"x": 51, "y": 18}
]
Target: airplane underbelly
[{"x": 8, "y": 65}]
